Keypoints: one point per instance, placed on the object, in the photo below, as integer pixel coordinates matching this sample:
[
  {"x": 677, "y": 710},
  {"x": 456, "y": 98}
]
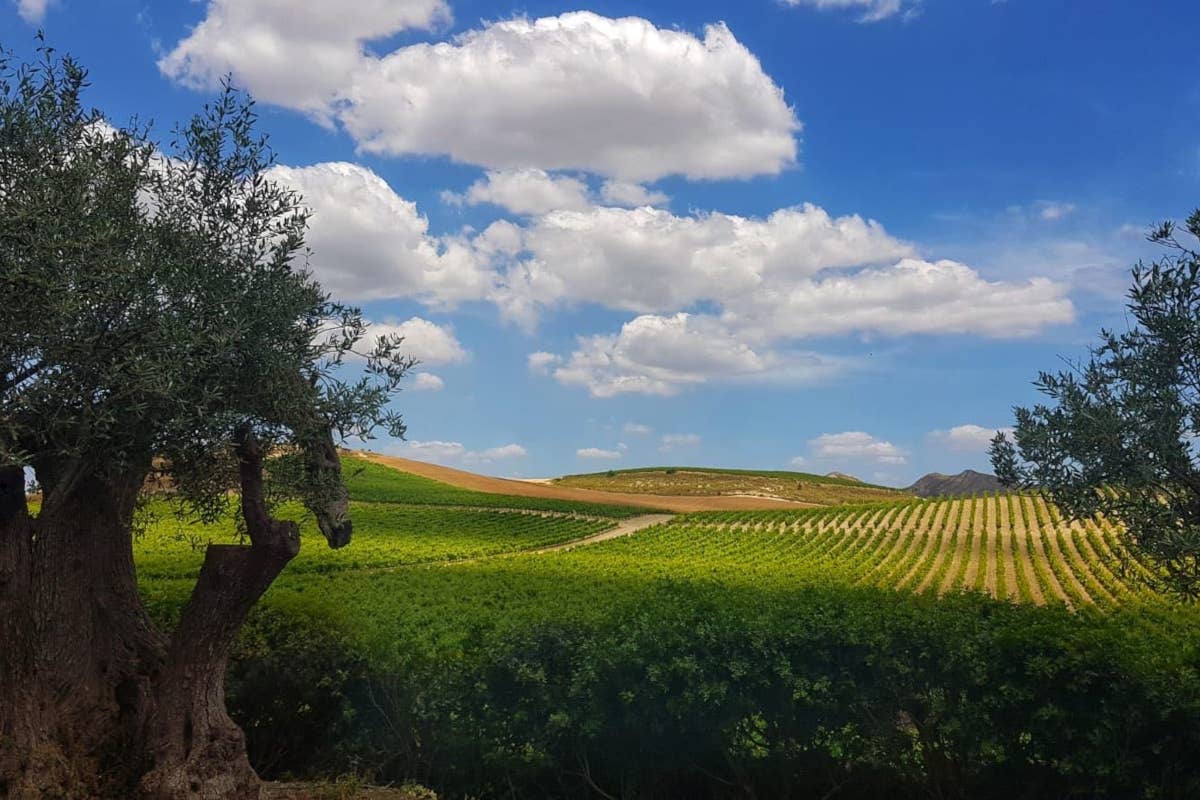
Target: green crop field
[
  {"x": 842, "y": 644},
  {"x": 385, "y": 535}
]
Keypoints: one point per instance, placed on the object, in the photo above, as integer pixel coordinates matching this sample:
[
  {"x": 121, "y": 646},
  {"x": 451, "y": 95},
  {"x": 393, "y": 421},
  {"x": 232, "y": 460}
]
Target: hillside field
[
  {"x": 777, "y": 653},
  {"x": 800, "y": 487}
]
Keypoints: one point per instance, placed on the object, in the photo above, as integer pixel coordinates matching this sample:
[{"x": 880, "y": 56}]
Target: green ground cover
[
  {"x": 721, "y": 655},
  {"x": 385, "y": 535}
]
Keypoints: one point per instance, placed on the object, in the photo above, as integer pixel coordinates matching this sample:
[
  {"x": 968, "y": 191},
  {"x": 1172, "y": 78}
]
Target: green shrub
[{"x": 710, "y": 693}]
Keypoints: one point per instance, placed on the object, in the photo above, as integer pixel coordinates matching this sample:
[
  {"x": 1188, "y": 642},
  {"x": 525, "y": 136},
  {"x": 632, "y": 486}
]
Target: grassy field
[
  {"x": 818, "y": 489},
  {"x": 1027, "y": 649}
]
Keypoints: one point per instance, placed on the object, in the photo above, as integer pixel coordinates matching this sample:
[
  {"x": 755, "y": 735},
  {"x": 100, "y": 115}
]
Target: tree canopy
[
  {"x": 1121, "y": 433},
  {"x": 157, "y": 304}
]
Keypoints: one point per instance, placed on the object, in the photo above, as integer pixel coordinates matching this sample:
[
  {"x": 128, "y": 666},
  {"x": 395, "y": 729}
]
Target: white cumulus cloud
[
  {"x": 541, "y": 362},
  {"x": 535, "y": 192},
  {"x": 433, "y": 450},
  {"x": 797, "y": 273},
  {"x": 656, "y": 355},
  {"x": 967, "y": 438},
  {"x": 638, "y": 429},
  {"x": 650, "y": 260},
  {"x": 634, "y": 195},
  {"x": 428, "y": 382},
  {"x": 299, "y": 55},
  {"x": 370, "y": 243},
  {"x": 856, "y": 446},
  {"x": 426, "y": 341},
  {"x": 526, "y": 191},
  {"x": 616, "y": 97}
]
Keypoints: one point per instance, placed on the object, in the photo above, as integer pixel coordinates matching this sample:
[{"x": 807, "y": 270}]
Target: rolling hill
[
  {"x": 732, "y": 484},
  {"x": 935, "y": 484}
]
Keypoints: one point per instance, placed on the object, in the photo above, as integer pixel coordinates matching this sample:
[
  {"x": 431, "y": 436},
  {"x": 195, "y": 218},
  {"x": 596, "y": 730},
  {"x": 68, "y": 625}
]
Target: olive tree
[
  {"x": 158, "y": 327},
  {"x": 1119, "y": 436}
]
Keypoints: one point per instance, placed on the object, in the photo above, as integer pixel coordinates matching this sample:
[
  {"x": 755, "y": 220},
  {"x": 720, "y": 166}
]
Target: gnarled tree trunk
[{"x": 93, "y": 700}]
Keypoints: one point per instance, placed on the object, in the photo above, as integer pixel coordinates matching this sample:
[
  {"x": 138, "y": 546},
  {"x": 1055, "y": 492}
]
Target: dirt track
[{"x": 483, "y": 483}]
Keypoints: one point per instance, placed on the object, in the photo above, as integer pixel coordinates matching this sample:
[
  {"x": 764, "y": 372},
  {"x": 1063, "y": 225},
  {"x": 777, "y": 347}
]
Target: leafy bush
[{"x": 855, "y": 692}]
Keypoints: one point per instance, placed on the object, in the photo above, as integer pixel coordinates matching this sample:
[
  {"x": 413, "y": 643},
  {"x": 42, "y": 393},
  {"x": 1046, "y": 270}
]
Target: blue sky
[{"x": 835, "y": 234}]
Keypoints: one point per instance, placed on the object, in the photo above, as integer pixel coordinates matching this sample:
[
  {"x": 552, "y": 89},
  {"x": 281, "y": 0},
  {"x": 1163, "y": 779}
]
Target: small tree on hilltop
[
  {"x": 153, "y": 325},
  {"x": 1121, "y": 435}
]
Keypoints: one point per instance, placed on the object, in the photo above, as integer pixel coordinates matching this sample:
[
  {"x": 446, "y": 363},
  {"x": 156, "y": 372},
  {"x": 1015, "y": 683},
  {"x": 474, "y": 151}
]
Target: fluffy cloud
[
  {"x": 428, "y": 382},
  {"x": 455, "y": 452},
  {"x": 658, "y": 355},
  {"x": 967, "y": 438},
  {"x": 637, "y": 429},
  {"x": 675, "y": 441},
  {"x": 432, "y": 450},
  {"x": 32, "y": 11},
  {"x": 795, "y": 274},
  {"x": 299, "y": 55},
  {"x": 616, "y": 97},
  {"x": 525, "y": 191},
  {"x": 869, "y": 10},
  {"x": 912, "y": 297},
  {"x": 655, "y": 355},
  {"x": 532, "y": 191},
  {"x": 650, "y": 260},
  {"x": 370, "y": 243},
  {"x": 541, "y": 362},
  {"x": 856, "y": 446},
  {"x": 598, "y": 453},
  {"x": 634, "y": 195},
  {"x": 426, "y": 341}
]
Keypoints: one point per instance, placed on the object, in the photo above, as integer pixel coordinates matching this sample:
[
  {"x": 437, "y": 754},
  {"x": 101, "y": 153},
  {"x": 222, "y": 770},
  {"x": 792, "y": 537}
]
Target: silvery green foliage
[
  {"x": 156, "y": 301},
  {"x": 1119, "y": 435}
]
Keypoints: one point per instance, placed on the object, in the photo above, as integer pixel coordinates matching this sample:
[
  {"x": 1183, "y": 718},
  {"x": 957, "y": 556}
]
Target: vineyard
[
  {"x": 1012, "y": 547},
  {"x": 386, "y": 535},
  {"x": 444, "y": 645}
]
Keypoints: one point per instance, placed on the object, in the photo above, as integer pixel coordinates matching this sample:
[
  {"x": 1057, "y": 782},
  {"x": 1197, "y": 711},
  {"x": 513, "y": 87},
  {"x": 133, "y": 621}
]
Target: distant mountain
[
  {"x": 843, "y": 476},
  {"x": 966, "y": 482}
]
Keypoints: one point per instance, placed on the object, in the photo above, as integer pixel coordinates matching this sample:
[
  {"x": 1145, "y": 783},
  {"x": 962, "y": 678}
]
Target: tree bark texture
[{"x": 94, "y": 700}]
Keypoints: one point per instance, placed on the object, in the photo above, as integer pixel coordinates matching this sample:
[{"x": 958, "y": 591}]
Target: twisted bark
[
  {"x": 196, "y": 749},
  {"x": 79, "y": 650},
  {"x": 93, "y": 700}
]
